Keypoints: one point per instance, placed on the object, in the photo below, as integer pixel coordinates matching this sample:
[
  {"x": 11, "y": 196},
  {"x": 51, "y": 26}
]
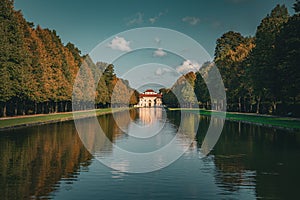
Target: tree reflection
[
  {"x": 254, "y": 158},
  {"x": 33, "y": 160},
  {"x": 98, "y": 135}
]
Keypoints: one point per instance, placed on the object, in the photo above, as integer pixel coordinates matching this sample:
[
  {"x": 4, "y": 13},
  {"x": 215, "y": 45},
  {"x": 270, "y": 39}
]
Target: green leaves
[
  {"x": 37, "y": 70},
  {"x": 287, "y": 59},
  {"x": 297, "y": 6}
]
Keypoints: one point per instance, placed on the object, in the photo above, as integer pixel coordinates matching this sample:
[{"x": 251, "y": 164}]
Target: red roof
[
  {"x": 149, "y": 90},
  {"x": 150, "y": 95}
]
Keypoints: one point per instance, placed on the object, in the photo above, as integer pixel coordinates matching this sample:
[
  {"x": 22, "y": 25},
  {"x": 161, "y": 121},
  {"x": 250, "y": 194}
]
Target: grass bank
[
  {"x": 32, "y": 120},
  {"x": 264, "y": 120}
]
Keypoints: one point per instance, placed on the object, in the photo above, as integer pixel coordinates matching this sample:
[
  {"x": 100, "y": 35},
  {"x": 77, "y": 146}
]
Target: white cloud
[
  {"x": 119, "y": 43},
  {"x": 188, "y": 66},
  {"x": 167, "y": 73},
  {"x": 191, "y": 20},
  {"x": 136, "y": 19},
  {"x": 152, "y": 20},
  {"x": 161, "y": 71},
  {"x": 159, "y": 52}
]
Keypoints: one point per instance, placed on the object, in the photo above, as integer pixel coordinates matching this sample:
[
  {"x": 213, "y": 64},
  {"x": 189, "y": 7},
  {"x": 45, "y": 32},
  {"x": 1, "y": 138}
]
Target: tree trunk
[
  {"x": 23, "y": 109},
  {"x": 55, "y": 107},
  {"x": 258, "y": 105},
  {"x": 50, "y": 107},
  {"x": 274, "y": 107},
  {"x": 46, "y": 108},
  {"x": 16, "y": 109},
  {"x": 66, "y": 106},
  {"x": 240, "y": 105},
  {"x": 35, "y": 108},
  {"x": 245, "y": 105},
  {"x": 42, "y": 108},
  {"x": 4, "y": 110},
  {"x": 61, "y": 107}
]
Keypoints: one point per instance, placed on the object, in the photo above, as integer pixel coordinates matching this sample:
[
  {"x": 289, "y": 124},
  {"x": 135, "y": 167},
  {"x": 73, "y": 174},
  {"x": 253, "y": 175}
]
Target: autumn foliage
[{"x": 38, "y": 71}]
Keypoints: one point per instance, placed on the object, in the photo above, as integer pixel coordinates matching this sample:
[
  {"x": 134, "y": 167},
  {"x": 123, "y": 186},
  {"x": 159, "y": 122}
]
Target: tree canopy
[
  {"x": 261, "y": 73},
  {"x": 38, "y": 71}
]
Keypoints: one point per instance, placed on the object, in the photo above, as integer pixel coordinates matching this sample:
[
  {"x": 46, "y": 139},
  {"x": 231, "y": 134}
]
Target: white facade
[{"x": 150, "y": 99}]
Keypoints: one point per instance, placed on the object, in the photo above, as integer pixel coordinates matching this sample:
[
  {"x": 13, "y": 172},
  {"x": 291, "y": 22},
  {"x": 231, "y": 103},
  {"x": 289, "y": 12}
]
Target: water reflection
[
  {"x": 51, "y": 162},
  {"x": 33, "y": 160},
  {"x": 259, "y": 159},
  {"x": 149, "y": 116},
  {"x": 145, "y": 144}
]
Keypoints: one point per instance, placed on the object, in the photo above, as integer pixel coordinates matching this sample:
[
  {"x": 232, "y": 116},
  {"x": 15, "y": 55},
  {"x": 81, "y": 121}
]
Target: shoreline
[
  {"x": 250, "y": 118},
  {"x": 10, "y": 123}
]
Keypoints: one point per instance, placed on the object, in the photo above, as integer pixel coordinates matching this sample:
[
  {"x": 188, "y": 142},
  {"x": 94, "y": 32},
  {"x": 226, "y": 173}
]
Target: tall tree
[
  {"x": 14, "y": 62},
  {"x": 287, "y": 59},
  {"x": 110, "y": 79},
  {"x": 183, "y": 89},
  {"x": 200, "y": 87},
  {"x": 232, "y": 50},
  {"x": 168, "y": 97},
  {"x": 263, "y": 70},
  {"x": 297, "y": 6}
]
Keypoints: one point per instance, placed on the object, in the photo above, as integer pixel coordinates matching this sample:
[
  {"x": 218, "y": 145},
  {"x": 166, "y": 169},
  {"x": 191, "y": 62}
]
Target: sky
[{"x": 92, "y": 22}]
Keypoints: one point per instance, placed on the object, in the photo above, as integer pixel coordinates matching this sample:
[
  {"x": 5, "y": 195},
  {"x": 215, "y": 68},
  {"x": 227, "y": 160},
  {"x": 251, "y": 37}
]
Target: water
[{"x": 248, "y": 162}]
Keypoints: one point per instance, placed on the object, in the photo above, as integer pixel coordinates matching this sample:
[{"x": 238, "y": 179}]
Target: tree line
[
  {"x": 38, "y": 71},
  {"x": 261, "y": 74}
]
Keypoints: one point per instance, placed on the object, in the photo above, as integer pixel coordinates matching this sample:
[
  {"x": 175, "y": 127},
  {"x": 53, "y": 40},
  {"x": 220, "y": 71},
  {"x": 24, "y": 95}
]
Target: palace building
[{"x": 150, "y": 98}]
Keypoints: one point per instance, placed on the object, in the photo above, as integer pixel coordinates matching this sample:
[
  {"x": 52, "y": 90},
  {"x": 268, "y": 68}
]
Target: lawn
[
  {"x": 266, "y": 120},
  {"x": 13, "y": 122}
]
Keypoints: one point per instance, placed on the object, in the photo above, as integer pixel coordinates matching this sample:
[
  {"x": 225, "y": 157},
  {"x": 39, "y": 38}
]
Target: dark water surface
[{"x": 248, "y": 162}]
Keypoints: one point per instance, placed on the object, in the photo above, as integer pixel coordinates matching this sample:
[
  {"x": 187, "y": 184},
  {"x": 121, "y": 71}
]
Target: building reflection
[{"x": 148, "y": 116}]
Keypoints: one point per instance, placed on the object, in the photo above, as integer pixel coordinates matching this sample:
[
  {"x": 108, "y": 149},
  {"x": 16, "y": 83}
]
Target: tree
[
  {"x": 287, "y": 59},
  {"x": 134, "y": 98},
  {"x": 231, "y": 51},
  {"x": 27, "y": 82},
  {"x": 110, "y": 80},
  {"x": 201, "y": 91},
  {"x": 14, "y": 62},
  {"x": 263, "y": 71},
  {"x": 102, "y": 96},
  {"x": 38, "y": 71},
  {"x": 297, "y": 6},
  {"x": 75, "y": 52},
  {"x": 183, "y": 89},
  {"x": 168, "y": 98}
]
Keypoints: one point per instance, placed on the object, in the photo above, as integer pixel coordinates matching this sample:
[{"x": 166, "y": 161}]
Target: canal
[{"x": 52, "y": 162}]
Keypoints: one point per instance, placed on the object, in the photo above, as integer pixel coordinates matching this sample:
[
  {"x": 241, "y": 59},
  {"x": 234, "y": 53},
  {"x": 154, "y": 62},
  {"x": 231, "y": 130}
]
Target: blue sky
[{"x": 88, "y": 23}]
